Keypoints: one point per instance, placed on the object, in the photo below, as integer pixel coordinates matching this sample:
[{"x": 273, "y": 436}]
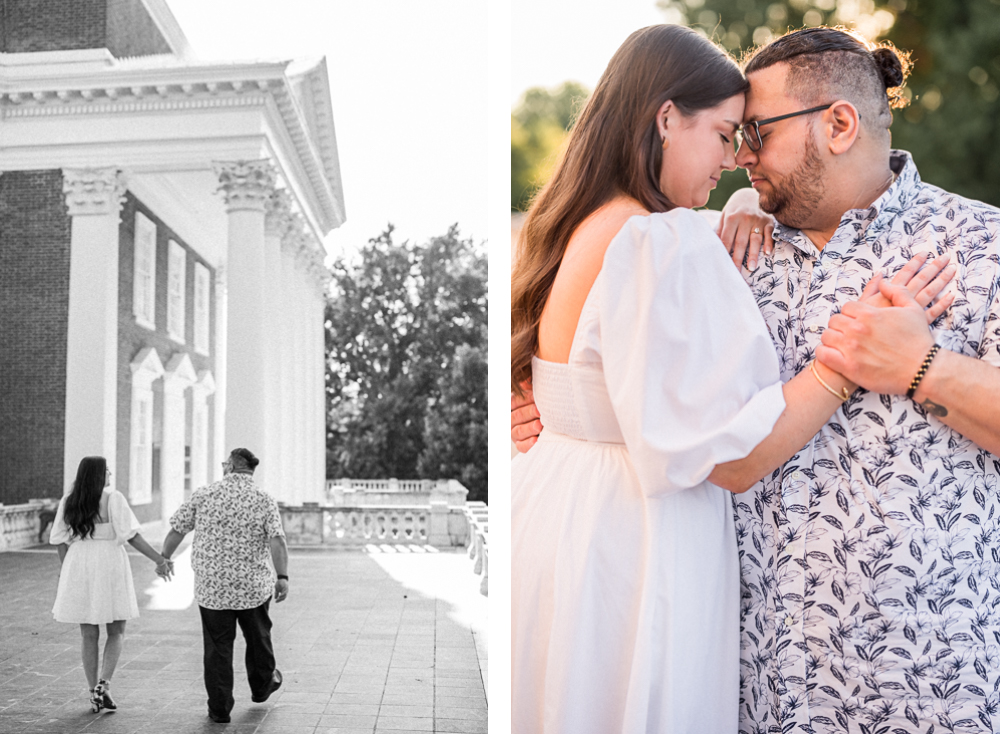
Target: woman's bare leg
[
  {"x": 91, "y": 639},
  {"x": 113, "y": 648}
]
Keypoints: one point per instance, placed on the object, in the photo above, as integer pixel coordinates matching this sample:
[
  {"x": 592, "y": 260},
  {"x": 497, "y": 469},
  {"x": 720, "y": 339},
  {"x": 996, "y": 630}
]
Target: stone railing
[
  {"x": 436, "y": 525},
  {"x": 477, "y": 515},
  {"x": 382, "y": 485},
  {"x": 385, "y": 492},
  {"x": 26, "y": 525}
]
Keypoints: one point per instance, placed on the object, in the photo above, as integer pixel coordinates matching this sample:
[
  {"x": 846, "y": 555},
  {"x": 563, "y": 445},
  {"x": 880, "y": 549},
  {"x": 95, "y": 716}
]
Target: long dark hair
[
  {"x": 83, "y": 503},
  {"x": 613, "y": 149}
]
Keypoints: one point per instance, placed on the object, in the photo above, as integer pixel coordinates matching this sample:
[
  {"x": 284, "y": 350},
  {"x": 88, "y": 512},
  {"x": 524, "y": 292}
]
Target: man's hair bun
[
  {"x": 889, "y": 66},
  {"x": 894, "y": 67}
]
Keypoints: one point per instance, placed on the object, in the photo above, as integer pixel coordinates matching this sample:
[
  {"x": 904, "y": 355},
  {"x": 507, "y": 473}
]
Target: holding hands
[
  {"x": 878, "y": 347},
  {"x": 165, "y": 568}
]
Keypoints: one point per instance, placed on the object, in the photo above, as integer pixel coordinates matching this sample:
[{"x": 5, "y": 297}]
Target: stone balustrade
[
  {"x": 23, "y": 525},
  {"x": 477, "y": 516},
  {"x": 436, "y": 525},
  {"x": 403, "y": 492}
]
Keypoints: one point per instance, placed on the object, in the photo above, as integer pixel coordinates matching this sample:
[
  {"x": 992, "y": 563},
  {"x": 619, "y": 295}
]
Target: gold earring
[{"x": 666, "y": 142}]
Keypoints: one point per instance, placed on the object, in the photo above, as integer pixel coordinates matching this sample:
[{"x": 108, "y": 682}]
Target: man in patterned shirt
[
  {"x": 871, "y": 560},
  {"x": 237, "y": 538}
]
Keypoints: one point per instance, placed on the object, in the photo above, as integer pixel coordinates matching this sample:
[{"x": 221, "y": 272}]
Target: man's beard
[{"x": 795, "y": 201}]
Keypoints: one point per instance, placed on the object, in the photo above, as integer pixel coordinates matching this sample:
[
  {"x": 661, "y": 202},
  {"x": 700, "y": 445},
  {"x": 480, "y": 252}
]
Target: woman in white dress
[
  {"x": 91, "y": 527},
  {"x": 658, "y": 384}
]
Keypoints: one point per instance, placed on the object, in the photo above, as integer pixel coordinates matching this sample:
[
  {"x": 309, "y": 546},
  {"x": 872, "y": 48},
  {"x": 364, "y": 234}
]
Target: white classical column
[
  {"x": 289, "y": 446},
  {"x": 277, "y": 223},
  {"x": 219, "y": 398},
  {"x": 301, "y": 431},
  {"x": 178, "y": 377},
  {"x": 200, "y": 391},
  {"x": 321, "y": 279},
  {"x": 93, "y": 197},
  {"x": 311, "y": 368},
  {"x": 249, "y": 364}
]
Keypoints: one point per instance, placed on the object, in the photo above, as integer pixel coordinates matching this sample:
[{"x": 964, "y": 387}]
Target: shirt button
[
  {"x": 797, "y": 476},
  {"x": 789, "y": 621}
]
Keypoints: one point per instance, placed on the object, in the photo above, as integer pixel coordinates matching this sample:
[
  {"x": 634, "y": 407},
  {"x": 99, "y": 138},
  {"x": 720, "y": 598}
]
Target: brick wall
[
  {"x": 50, "y": 25},
  {"x": 133, "y": 338},
  {"x": 122, "y": 26},
  {"x": 131, "y": 32},
  {"x": 34, "y": 306}
]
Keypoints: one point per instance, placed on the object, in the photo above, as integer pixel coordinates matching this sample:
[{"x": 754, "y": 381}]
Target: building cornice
[{"x": 166, "y": 85}]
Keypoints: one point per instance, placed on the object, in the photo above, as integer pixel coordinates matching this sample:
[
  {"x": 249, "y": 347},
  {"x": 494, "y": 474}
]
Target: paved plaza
[{"x": 389, "y": 639}]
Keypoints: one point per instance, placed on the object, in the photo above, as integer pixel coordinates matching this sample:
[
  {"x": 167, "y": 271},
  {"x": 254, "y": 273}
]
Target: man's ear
[{"x": 841, "y": 125}]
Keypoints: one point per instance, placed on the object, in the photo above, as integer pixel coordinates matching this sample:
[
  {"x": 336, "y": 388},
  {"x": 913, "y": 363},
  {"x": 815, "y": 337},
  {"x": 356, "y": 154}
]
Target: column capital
[
  {"x": 245, "y": 184},
  {"x": 93, "y": 190},
  {"x": 278, "y": 216}
]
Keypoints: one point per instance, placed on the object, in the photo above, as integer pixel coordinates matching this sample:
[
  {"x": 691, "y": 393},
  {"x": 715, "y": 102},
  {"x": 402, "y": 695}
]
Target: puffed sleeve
[
  {"x": 60, "y": 532},
  {"x": 123, "y": 520},
  {"x": 690, "y": 368}
]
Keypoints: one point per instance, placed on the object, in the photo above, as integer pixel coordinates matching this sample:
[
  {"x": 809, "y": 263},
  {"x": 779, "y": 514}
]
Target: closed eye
[{"x": 725, "y": 138}]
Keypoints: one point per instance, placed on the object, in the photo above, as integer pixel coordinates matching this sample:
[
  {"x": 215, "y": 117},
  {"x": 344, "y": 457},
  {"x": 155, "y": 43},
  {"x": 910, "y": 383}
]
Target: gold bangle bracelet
[{"x": 841, "y": 396}]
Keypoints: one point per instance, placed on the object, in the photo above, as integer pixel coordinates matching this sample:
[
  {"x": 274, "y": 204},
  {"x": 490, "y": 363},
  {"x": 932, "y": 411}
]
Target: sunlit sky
[
  {"x": 409, "y": 97},
  {"x": 554, "y": 42}
]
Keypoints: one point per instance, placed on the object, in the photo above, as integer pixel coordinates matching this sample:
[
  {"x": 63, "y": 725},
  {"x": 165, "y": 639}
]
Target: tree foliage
[
  {"x": 455, "y": 433},
  {"x": 953, "y": 124},
  {"x": 538, "y": 129},
  {"x": 400, "y": 317}
]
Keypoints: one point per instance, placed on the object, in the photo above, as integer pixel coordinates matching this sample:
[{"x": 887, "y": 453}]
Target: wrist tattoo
[{"x": 934, "y": 409}]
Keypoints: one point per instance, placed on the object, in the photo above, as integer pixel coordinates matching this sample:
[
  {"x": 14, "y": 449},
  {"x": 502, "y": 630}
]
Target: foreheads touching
[{"x": 830, "y": 64}]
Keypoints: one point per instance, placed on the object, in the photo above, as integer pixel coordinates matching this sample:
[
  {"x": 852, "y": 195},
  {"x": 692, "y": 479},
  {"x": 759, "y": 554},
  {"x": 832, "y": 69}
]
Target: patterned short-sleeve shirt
[
  {"x": 233, "y": 522},
  {"x": 871, "y": 561}
]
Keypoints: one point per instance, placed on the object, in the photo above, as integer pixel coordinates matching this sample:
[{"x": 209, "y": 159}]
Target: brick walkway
[{"x": 368, "y": 642}]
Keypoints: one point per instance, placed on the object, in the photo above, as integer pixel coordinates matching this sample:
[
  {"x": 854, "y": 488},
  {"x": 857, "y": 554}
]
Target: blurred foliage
[
  {"x": 455, "y": 444},
  {"x": 952, "y": 126},
  {"x": 401, "y": 324},
  {"x": 537, "y": 130}
]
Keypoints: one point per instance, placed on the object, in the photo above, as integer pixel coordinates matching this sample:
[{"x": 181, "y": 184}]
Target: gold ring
[{"x": 756, "y": 230}]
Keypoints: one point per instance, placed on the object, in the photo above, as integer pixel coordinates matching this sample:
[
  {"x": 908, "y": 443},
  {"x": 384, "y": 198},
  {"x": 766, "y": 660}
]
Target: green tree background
[
  {"x": 951, "y": 127},
  {"x": 406, "y": 356}
]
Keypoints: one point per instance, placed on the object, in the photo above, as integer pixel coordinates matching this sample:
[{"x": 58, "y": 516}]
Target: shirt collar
[{"x": 892, "y": 201}]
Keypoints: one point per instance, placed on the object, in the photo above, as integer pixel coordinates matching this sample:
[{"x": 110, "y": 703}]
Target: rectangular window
[
  {"x": 176, "y": 270},
  {"x": 144, "y": 280},
  {"x": 201, "y": 309},
  {"x": 141, "y": 470}
]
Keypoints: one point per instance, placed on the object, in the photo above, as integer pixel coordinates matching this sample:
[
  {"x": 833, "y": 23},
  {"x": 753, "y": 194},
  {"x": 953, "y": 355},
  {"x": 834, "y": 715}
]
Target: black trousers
[{"x": 218, "y": 628}]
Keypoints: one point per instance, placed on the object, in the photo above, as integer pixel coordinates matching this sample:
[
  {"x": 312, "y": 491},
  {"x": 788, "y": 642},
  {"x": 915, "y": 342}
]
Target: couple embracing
[{"x": 765, "y": 498}]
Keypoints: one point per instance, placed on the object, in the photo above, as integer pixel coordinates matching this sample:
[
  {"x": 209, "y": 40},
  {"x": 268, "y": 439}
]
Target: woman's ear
[
  {"x": 666, "y": 117},
  {"x": 842, "y": 123}
]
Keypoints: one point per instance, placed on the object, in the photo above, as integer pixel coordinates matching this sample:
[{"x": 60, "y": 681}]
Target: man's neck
[{"x": 863, "y": 197}]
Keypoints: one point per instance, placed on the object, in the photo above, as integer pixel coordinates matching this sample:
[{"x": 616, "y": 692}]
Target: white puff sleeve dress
[
  {"x": 95, "y": 581},
  {"x": 625, "y": 577}
]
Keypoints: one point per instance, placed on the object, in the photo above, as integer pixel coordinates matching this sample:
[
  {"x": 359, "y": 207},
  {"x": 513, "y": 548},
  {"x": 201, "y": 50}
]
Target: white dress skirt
[
  {"x": 625, "y": 576},
  {"x": 95, "y": 581}
]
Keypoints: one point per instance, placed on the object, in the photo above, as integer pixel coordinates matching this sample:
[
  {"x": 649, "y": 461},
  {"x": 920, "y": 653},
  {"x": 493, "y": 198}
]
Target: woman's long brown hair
[
  {"x": 614, "y": 148},
  {"x": 83, "y": 503}
]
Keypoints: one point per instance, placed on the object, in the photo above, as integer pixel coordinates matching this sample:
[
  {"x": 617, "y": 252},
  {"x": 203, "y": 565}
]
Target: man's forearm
[
  {"x": 279, "y": 555},
  {"x": 171, "y": 542},
  {"x": 963, "y": 393}
]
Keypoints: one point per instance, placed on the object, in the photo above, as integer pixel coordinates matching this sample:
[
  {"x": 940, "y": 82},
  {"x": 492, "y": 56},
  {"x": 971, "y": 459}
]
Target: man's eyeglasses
[{"x": 750, "y": 131}]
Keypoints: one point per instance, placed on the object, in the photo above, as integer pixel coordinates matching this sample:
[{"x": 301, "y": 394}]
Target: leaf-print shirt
[
  {"x": 871, "y": 561},
  {"x": 233, "y": 522}
]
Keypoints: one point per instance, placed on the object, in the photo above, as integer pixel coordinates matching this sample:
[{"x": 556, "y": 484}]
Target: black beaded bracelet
[
  {"x": 923, "y": 370},
  {"x": 282, "y": 576}
]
